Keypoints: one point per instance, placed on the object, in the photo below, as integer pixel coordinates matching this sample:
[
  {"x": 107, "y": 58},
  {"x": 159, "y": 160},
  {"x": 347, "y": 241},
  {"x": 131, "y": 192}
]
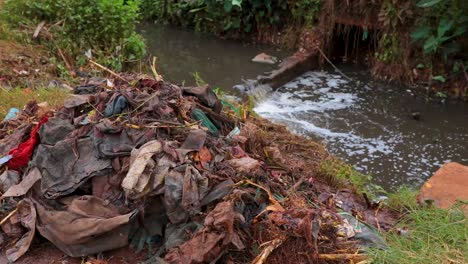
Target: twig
[
  {"x": 272, "y": 245},
  {"x": 153, "y": 69},
  {"x": 8, "y": 216},
  {"x": 138, "y": 107},
  {"x": 376, "y": 218},
  {"x": 69, "y": 68},
  {"x": 38, "y": 29},
  {"x": 296, "y": 185},
  {"x": 108, "y": 70},
  {"x": 354, "y": 257},
  {"x": 164, "y": 126},
  {"x": 333, "y": 65},
  {"x": 95, "y": 109}
]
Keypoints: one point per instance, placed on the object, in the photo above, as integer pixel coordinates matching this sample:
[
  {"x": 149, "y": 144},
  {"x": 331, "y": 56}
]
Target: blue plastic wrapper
[
  {"x": 12, "y": 113},
  {"x": 5, "y": 159}
]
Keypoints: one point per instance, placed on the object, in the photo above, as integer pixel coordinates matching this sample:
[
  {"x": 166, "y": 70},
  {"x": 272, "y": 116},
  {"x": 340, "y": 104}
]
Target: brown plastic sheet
[
  {"x": 208, "y": 243},
  {"x": 25, "y": 185},
  {"x": 88, "y": 225},
  {"x": 27, "y": 215}
]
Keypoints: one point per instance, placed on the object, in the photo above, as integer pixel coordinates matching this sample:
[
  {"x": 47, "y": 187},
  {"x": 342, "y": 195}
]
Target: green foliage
[
  {"x": 239, "y": 17},
  {"x": 433, "y": 236},
  {"x": 107, "y": 27},
  {"x": 305, "y": 11},
  {"x": 440, "y": 24}
]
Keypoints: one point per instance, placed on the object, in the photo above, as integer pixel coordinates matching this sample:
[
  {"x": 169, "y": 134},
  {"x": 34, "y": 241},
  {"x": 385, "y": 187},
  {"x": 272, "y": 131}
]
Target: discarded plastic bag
[
  {"x": 12, "y": 113},
  {"x": 22, "y": 154},
  {"x": 210, "y": 242},
  {"x": 78, "y": 163},
  {"x": 88, "y": 225},
  {"x": 245, "y": 164},
  {"x": 204, "y": 93},
  {"x": 137, "y": 183},
  {"x": 27, "y": 215},
  {"x": 183, "y": 193},
  {"x": 7, "y": 179},
  {"x": 365, "y": 233},
  {"x": 20, "y": 189}
]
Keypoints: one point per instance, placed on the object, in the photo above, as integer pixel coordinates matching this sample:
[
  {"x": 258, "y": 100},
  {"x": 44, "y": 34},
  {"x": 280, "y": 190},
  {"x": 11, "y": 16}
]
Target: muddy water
[
  {"x": 221, "y": 63},
  {"x": 364, "y": 122}
]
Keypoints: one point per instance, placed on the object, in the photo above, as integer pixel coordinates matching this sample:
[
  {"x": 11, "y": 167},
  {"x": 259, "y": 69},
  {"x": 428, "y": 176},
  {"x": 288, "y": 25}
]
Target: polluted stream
[{"x": 367, "y": 123}]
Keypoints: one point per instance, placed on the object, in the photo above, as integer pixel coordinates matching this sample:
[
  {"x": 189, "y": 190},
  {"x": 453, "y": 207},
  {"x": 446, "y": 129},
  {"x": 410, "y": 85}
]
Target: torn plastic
[
  {"x": 138, "y": 181},
  {"x": 22, "y": 154},
  {"x": 55, "y": 130},
  {"x": 366, "y": 234},
  {"x": 21, "y": 188},
  {"x": 88, "y": 225},
  {"x": 116, "y": 106},
  {"x": 204, "y": 93},
  {"x": 78, "y": 163},
  {"x": 199, "y": 115},
  {"x": 113, "y": 141},
  {"x": 12, "y": 113},
  {"x": 210, "y": 242},
  {"x": 7, "y": 179},
  {"x": 27, "y": 215}
]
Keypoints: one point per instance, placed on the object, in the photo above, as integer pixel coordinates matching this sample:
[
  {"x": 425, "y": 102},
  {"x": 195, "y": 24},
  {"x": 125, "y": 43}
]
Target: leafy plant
[
  {"x": 440, "y": 24},
  {"x": 234, "y": 17},
  {"x": 105, "y": 26}
]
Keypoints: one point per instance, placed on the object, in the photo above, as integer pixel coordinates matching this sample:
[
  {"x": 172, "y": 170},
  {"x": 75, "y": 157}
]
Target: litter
[
  {"x": 165, "y": 169},
  {"x": 12, "y": 113}
]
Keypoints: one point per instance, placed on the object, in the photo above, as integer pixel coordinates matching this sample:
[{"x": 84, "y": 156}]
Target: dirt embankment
[{"x": 24, "y": 66}]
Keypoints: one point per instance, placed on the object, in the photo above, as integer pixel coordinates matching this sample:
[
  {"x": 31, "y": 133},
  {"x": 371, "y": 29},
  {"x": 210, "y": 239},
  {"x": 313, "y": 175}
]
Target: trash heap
[{"x": 176, "y": 171}]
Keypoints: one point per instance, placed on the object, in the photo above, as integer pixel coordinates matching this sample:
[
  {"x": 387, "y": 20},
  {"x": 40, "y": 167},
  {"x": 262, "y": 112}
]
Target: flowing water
[{"x": 365, "y": 122}]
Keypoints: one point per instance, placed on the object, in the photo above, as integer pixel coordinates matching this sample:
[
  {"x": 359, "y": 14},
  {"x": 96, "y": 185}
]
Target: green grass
[
  {"x": 434, "y": 236},
  {"x": 340, "y": 174},
  {"x": 403, "y": 199},
  {"x": 19, "y": 97}
]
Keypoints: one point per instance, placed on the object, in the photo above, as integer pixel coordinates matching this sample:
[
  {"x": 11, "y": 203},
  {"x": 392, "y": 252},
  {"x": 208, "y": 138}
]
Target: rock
[
  {"x": 416, "y": 115},
  {"x": 265, "y": 58},
  {"x": 447, "y": 186}
]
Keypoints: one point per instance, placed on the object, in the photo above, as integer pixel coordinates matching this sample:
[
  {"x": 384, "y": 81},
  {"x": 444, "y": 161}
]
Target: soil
[
  {"x": 25, "y": 66},
  {"x": 46, "y": 253}
]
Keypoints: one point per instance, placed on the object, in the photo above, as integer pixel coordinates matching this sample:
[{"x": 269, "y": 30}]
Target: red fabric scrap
[{"x": 22, "y": 154}]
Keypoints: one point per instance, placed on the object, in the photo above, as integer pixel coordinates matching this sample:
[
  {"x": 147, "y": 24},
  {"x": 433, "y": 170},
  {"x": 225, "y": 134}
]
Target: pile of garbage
[{"x": 172, "y": 170}]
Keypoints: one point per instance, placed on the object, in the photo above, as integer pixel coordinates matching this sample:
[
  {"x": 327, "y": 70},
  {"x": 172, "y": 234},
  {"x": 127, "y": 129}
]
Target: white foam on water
[{"x": 330, "y": 107}]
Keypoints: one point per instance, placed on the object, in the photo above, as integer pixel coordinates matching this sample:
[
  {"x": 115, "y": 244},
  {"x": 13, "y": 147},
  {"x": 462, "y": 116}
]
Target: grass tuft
[
  {"x": 434, "y": 236},
  {"x": 403, "y": 199},
  {"x": 340, "y": 174},
  {"x": 20, "y": 97}
]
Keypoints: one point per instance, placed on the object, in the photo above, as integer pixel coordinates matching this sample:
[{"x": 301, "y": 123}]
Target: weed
[
  {"x": 339, "y": 174},
  {"x": 19, "y": 97},
  {"x": 434, "y": 236},
  {"x": 403, "y": 199}
]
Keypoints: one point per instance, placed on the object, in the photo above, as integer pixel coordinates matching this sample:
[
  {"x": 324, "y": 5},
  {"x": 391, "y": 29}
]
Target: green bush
[
  {"x": 440, "y": 24},
  {"x": 107, "y": 27},
  {"x": 239, "y": 17}
]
